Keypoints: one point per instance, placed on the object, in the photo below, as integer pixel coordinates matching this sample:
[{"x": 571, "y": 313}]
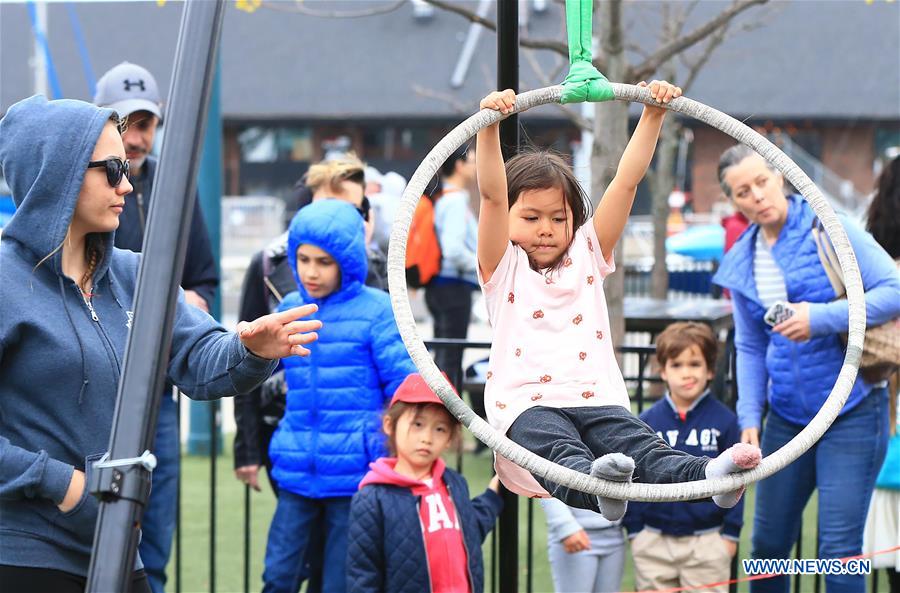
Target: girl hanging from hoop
[{"x": 554, "y": 386}]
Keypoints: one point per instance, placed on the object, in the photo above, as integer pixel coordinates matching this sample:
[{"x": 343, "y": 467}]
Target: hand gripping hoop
[{"x": 556, "y": 473}]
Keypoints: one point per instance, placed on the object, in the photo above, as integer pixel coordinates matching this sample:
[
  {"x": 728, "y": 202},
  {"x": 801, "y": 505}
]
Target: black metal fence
[{"x": 639, "y": 384}]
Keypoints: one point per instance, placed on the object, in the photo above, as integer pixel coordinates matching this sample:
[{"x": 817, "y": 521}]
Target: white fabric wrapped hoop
[{"x": 556, "y": 473}]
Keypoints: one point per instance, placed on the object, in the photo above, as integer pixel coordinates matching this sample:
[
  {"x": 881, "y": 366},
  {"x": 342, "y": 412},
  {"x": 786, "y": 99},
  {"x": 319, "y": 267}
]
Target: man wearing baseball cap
[{"x": 132, "y": 91}]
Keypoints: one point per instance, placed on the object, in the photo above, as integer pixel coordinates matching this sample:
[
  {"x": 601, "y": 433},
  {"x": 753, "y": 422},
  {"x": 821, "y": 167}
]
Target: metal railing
[
  {"x": 841, "y": 192},
  {"x": 639, "y": 378}
]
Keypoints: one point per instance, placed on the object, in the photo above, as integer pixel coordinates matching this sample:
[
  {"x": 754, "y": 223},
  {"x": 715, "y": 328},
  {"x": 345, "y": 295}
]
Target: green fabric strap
[{"x": 584, "y": 82}]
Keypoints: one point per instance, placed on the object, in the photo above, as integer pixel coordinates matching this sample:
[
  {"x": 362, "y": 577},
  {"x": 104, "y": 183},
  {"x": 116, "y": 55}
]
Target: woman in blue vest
[{"x": 791, "y": 367}]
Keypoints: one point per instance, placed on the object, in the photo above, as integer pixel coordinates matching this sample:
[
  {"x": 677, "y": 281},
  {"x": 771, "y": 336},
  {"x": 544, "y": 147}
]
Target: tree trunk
[{"x": 610, "y": 138}]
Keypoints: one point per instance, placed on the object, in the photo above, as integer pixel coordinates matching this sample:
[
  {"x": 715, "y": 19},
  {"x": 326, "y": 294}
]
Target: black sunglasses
[{"x": 116, "y": 169}]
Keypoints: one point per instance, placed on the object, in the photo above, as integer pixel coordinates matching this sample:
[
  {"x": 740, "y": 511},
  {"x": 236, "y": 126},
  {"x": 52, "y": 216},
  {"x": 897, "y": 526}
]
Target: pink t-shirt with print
[{"x": 551, "y": 344}]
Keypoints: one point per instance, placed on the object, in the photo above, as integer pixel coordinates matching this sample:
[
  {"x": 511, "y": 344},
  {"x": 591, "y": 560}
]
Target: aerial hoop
[{"x": 570, "y": 478}]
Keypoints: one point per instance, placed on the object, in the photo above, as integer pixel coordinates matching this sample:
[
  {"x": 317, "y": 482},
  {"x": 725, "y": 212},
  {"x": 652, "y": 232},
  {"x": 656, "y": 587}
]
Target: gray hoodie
[{"x": 59, "y": 363}]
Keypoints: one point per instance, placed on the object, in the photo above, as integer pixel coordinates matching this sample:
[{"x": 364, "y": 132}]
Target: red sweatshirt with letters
[{"x": 444, "y": 547}]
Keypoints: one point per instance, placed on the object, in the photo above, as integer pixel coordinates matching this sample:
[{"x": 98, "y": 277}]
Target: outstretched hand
[{"x": 282, "y": 334}]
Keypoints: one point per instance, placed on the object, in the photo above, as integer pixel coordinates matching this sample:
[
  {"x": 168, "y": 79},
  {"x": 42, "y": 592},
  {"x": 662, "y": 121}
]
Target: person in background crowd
[
  {"x": 412, "y": 525},
  {"x": 268, "y": 279},
  {"x": 132, "y": 92},
  {"x": 686, "y": 544},
  {"x": 449, "y": 295},
  {"x": 331, "y": 428},
  {"x": 776, "y": 261},
  {"x": 883, "y": 523},
  {"x": 586, "y": 552},
  {"x": 68, "y": 298}
]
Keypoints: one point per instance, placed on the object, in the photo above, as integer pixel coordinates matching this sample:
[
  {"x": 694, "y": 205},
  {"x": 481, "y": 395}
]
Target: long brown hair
[
  {"x": 94, "y": 250},
  {"x": 536, "y": 169}
]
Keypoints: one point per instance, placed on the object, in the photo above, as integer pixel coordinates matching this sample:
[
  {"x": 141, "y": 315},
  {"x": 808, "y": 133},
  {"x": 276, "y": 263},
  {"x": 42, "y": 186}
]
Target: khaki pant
[{"x": 665, "y": 561}]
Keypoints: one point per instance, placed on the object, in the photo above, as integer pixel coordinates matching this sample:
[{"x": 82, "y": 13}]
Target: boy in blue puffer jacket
[
  {"x": 684, "y": 544},
  {"x": 331, "y": 429}
]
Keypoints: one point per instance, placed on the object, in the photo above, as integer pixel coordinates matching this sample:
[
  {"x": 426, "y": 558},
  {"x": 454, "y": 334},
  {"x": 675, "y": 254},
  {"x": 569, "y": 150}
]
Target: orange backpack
[{"x": 423, "y": 251}]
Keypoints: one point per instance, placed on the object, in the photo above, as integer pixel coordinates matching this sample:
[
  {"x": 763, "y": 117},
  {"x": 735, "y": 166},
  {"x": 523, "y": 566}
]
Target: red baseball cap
[{"x": 414, "y": 390}]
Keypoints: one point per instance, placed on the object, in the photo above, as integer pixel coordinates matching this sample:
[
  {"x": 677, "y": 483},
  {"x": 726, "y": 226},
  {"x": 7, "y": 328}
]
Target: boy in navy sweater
[{"x": 685, "y": 544}]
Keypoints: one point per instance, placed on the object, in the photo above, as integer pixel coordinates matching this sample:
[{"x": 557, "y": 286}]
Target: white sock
[{"x": 615, "y": 467}]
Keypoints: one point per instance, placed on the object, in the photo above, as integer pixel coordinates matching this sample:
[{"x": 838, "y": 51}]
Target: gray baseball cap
[{"x": 127, "y": 88}]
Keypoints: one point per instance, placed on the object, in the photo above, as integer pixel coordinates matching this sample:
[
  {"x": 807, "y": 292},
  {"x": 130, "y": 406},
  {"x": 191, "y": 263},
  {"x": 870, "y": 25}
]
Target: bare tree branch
[
  {"x": 637, "y": 49},
  {"x": 558, "y": 47},
  {"x": 447, "y": 98},
  {"x": 695, "y": 66},
  {"x": 300, "y": 7},
  {"x": 667, "y": 51}
]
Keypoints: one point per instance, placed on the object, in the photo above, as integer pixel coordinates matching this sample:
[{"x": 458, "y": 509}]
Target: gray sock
[{"x": 615, "y": 467}]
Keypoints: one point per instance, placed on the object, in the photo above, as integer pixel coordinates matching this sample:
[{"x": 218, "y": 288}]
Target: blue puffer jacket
[
  {"x": 797, "y": 377},
  {"x": 331, "y": 429},
  {"x": 387, "y": 549}
]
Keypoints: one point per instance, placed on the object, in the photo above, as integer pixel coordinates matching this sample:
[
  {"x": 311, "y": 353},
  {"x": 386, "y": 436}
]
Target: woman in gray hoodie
[{"x": 66, "y": 306}]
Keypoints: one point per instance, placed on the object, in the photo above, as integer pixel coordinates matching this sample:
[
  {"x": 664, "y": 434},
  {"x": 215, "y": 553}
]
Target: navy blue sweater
[
  {"x": 387, "y": 549},
  {"x": 707, "y": 429}
]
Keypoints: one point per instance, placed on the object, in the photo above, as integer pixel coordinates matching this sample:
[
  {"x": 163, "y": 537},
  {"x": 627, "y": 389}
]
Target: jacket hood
[
  {"x": 337, "y": 228},
  {"x": 45, "y": 147},
  {"x": 382, "y": 472}
]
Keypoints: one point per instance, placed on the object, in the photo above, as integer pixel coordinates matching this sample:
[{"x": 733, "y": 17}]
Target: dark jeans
[
  {"x": 158, "y": 523},
  {"x": 23, "y": 579},
  {"x": 450, "y": 305},
  {"x": 574, "y": 437},
  {"x": 300, "y": 522},
  {"x": 843, "y": 465}
]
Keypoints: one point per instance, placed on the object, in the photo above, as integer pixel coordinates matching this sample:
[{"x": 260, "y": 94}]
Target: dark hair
[
  {"x": 732, "y": 157},
  {"x": 394, "y": 413},
  {"x": 535, "y": 169},
  {"x": 678, "y": 337},
  {"x": 884, "y": 211},
  {"x": 449, "y": 166}
]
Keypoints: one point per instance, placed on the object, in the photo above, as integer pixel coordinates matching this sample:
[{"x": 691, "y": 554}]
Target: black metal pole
[
  {"x": 123, "y": 487},
  {"x": 213, "y": 454},
  {"x": 178, "y": 500},
  {"x": 508, "y": 78},
  {"x": 508, "y": 69},
  {"x": 246, "y": 538}
]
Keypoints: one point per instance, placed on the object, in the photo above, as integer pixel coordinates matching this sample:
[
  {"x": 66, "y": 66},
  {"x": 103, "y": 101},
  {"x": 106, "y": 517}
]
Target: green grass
[{"x": 229, "y": 567}]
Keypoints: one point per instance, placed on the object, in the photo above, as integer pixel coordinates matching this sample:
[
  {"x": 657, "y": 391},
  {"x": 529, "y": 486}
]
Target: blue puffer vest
[
  {"x": 801, "y": 374},
  {"x": 331, "y": 429}
]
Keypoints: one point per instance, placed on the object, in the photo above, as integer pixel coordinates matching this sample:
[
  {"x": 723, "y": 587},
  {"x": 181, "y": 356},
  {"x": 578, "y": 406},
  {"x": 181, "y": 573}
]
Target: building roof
[{"x": 803, "y": 59}]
